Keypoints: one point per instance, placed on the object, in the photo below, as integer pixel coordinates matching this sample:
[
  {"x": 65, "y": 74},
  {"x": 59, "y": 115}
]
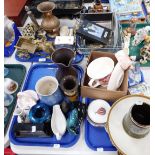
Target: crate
[{"x": 108, "y": 20}]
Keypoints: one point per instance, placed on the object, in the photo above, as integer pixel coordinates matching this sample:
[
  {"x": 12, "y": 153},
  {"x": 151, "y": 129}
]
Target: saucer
[
  {"x": 98, "y": 112},
  {"x": 122, "y": 141}
]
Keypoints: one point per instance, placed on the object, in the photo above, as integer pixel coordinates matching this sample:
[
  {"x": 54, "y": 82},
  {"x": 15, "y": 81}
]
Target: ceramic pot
[
  {"x": 137, "y": 121},
  {"x": 63, "y": 57},
  {"x": 39, "y": 113},
  {"x": 49, "y": 23},
  {"x": 58, "y": 122},
  {"x": 69, "y": 85},
  {"x": 48, "y": 90}
]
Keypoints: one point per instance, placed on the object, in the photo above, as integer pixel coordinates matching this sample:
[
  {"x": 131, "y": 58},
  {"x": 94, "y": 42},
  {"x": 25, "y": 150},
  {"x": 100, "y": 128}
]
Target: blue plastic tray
[
  {"x": 38, "y": 58},
  {"x": 8, "y": 51},
  {"x": 34, "y": 74},
  {"x": 97, "y": 137}
]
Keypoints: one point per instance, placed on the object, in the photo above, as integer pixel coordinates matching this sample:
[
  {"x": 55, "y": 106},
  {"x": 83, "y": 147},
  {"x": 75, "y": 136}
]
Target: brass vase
[{"x": 50, "y": 23}]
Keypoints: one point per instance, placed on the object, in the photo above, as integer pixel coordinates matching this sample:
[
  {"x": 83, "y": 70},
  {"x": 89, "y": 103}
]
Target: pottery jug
[
  {"x": 58, "y": 122},
  {"x": 63, "y": 57},
  {"x": 50, "y": 23}
]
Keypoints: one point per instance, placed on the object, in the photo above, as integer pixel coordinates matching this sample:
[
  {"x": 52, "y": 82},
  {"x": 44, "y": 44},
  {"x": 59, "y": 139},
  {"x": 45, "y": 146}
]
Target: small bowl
[
  {"x": 95, "y": 124},
  {"x": 98, "y": 112},
  {"x": 8, "y": 99},
  {"x": 10, "y": 86}
]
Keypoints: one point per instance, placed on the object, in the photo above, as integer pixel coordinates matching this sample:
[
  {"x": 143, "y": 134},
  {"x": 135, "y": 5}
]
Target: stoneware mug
[
  {"x": 48, "y": 90},
  {"x": 137, "y": 121}
]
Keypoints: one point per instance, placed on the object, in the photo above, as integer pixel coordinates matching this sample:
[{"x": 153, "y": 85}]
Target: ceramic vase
[
  {"x": 50, "y": 23},
  {"x": 58, "y": 122},
  {"x": 63, "y": 57},
  {"x": 69, "y": 85}
]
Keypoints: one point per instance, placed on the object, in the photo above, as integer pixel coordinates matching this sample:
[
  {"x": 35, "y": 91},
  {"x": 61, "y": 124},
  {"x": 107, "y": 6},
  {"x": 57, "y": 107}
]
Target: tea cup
[
  {"x": 99, "y": 71},
  {"x": 10, "y": 86},
  {"x": 48, "y": 90}
]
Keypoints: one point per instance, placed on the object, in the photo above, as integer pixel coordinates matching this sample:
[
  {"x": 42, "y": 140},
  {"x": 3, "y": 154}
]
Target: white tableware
[
  {"x": 123, "y": 59},
  {"x": 116, "y": 78},
  {"x": 5, "y": 111},
  {"x": 21, "y": 115},
  {"x": 10, "y": 86},
  {"x": 64, "y": 31},
  {"x": 98, "y": 69},
  {"x": 122, "y": 141},
  {"x": 58, "y": 122},
  {"x": 98, "y": 111},
  {"x": 27, "y": 99},
  {"x": 48, "y": 90},
  {"x": 8, "y": 99}
]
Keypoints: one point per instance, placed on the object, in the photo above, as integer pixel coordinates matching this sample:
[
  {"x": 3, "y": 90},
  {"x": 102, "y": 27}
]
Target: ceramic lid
[
  {"x": 98, "y": 111},
  {"x": 100, "y": 67},
  {"x": 123, "y": 142}
]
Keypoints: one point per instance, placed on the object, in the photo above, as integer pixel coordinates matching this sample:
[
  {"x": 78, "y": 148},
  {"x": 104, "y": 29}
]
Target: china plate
[{"x": 122, "y": 141}]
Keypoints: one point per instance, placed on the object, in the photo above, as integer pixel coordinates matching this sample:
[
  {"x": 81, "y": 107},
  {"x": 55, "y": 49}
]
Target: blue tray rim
[{"x": 47, "y": 60}]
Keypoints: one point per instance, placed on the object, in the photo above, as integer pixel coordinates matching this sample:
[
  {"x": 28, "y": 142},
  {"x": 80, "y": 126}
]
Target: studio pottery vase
[
  {"x": 50, "y": 23},
  {"x": 63, "y": 57},
  {"x": 69, "y": 85},
  {"x": 58, "y": 122}
]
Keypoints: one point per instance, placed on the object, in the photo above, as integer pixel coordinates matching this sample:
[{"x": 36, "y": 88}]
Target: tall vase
[
  {"x": 50, "y": 23},
  {"x": 63, "y": 57}
]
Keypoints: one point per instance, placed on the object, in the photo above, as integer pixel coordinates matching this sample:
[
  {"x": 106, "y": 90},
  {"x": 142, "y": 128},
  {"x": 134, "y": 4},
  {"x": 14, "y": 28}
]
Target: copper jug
[{"x": 50, "y": 23}]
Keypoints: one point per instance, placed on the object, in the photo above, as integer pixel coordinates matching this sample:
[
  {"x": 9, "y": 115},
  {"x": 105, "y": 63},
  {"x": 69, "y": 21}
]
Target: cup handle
[{"x": 97, "y": 83}]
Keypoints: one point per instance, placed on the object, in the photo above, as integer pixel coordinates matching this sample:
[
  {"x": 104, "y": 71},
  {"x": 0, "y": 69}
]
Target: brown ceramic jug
[
  {"x": 63, "y": 57},
  {"x": 50, "y": 23}
]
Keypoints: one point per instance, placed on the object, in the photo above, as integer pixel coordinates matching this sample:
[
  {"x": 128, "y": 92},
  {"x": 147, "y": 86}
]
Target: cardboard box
[{"x": 103, "y": 93}]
